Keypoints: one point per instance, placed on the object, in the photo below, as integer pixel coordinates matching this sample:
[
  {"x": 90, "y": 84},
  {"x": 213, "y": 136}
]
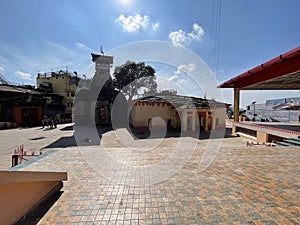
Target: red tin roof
[{"x": 279, "y": 73}]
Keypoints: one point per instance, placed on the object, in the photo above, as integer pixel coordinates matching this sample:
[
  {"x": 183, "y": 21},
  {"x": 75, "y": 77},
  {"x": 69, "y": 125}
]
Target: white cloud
[
  {"x": 165, "y": 84},
  {"x": 22, "y": 75},
  {"x": 180, "y": 38},
  {"x": 2, "y": 69},
  {"x": 182, "y": 81},
  {"x": 133, "y": 24},
  {"x": 57, "y": 46},
  {"x": 82, "y": 46},
  {"x": 197, "y": 33},
  {"x": 28, "y": 63},
  {"x": 59, "y": 49},
  {"x": 176, "y": 79},
  {"x": 173, "y": 78},
  {"x": 188, "y": 69},
  {"x": 155, "y": 26}
]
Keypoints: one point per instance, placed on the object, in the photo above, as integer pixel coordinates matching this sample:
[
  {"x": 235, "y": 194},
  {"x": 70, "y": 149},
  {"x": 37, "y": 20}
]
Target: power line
[
  {"x": 3, "y": 80},
  {"x": 219, "y": 15},
  {"x": 216, "y": 31}
]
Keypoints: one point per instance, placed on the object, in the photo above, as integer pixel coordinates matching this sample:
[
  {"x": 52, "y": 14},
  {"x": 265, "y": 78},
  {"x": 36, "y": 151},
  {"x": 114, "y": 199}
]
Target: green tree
[{"x": 132, "y": 78}]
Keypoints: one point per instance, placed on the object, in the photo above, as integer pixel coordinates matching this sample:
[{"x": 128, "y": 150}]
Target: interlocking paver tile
[{"x": 242, "y": 185}]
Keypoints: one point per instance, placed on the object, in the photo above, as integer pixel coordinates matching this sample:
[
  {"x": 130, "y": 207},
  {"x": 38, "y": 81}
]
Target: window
[{"x": 72, "y": 93}]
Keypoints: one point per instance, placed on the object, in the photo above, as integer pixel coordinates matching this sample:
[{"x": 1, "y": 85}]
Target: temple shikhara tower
[{"x": 95, "y": 104}]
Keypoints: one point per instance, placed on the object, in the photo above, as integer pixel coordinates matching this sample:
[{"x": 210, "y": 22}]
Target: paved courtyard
[
  {"x": 241, "y": 185},
  {"x": 33, "y": 140}
]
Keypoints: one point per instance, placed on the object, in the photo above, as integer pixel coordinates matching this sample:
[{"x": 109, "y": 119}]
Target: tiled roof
[
  {"x": 19, "y": 89},
  {"x": 181, "y": 101}
]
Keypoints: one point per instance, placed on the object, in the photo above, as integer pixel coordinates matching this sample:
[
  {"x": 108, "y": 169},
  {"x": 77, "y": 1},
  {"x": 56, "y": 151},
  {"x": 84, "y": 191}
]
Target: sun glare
[{"x": 124, "y": 1}]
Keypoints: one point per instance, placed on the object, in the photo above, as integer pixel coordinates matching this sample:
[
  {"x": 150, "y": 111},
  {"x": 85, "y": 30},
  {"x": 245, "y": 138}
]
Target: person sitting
[
  {"x": 45, "y": 121},
  {"x": 50, "y": 123},
  {"x": 54, "y": 122}
]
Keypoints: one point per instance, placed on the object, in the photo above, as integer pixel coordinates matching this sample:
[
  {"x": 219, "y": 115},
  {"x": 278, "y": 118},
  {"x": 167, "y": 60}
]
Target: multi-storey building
[{"x": 63, "y": 83}]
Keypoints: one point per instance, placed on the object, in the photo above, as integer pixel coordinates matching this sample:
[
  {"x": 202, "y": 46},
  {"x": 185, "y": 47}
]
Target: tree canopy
[{"x": 132, "y": 78}]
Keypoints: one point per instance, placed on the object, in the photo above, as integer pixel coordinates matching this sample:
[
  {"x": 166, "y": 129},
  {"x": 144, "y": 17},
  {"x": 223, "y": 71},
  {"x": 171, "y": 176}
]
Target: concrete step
[
  {"x": 283, "y": 143},
  {"x": 296, "y": 139},
  {"x": 293, "y": 141}
]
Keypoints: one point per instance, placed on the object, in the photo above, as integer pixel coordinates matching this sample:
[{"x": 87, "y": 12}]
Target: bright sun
[{"x": 124, "y": 1}]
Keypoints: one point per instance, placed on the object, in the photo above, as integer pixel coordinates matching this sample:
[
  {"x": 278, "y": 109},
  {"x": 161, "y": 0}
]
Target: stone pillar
[
  {"x": 206, "y": 121},
  {"x": 262, "y": 137},
  {"x": 194, "y": 120},
  {"x": 236, "y": 109},
  {"x": 214, "y": 118},
  {"x": 233, "y": 130},
  {"x": 184, "y": 121}
]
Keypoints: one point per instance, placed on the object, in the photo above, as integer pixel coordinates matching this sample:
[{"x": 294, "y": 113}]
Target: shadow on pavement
[
  {"x": 67, "y": 128},
  {"x": 217, "y": 134},
  {"x": 63, "y": 142},
  {"x": 84, "y": 137},
  {"x": 145, "y": 134}
]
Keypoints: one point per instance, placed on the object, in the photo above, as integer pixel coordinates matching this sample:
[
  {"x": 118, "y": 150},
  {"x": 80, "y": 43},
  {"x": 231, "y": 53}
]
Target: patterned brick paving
[
  {"x": 254, "y": 185},
  {"x": 33, "y": 139}
]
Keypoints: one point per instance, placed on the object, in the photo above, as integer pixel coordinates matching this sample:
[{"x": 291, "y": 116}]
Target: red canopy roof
[{"x": 279, "y": 73}]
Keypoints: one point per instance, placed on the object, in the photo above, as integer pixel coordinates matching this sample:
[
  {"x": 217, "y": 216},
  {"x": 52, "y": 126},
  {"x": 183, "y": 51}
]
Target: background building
[
  {"x": 25, "y": 106},
  {"x": 187, "y": 113},
  {"x": 276, "y": 110},
  {"x": 63, "y": 83}
]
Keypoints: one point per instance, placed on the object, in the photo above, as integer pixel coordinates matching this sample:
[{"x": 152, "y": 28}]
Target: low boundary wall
[{"x": 263, "y": 134}]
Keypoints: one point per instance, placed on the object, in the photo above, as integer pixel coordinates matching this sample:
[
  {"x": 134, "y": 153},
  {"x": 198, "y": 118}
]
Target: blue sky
[{"x": 50, "y": 34}]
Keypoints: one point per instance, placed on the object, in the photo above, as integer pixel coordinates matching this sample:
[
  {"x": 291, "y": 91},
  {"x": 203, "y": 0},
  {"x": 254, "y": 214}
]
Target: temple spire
[{"x": 101, "y": 50}]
